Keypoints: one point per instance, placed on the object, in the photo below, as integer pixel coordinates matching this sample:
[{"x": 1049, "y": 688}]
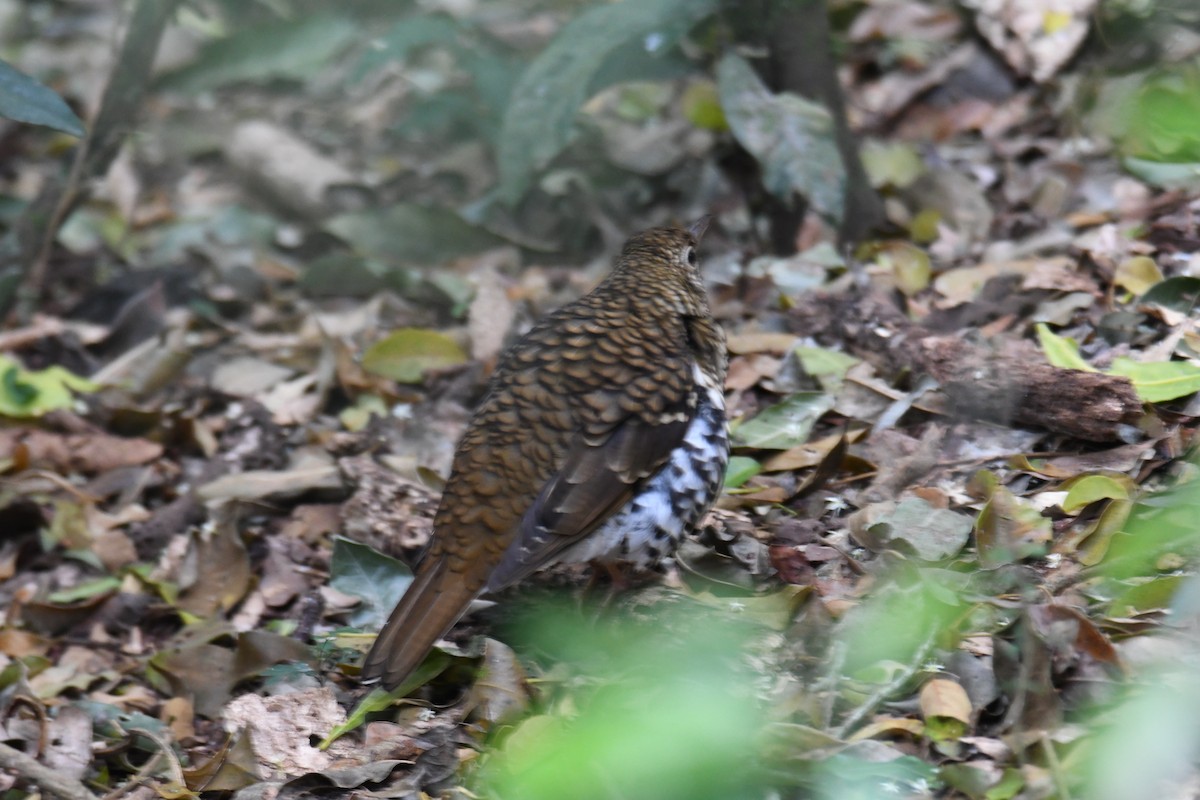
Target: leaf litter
[{"x": 932, "y": 587}]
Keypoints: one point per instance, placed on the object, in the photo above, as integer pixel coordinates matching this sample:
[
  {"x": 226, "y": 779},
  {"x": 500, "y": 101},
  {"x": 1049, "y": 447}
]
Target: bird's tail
[{"x": 426, "y": 613}]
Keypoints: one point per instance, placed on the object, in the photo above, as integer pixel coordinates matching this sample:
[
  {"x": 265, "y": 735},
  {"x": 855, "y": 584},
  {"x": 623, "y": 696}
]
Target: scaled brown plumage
[{"x": 602, "y": 435}]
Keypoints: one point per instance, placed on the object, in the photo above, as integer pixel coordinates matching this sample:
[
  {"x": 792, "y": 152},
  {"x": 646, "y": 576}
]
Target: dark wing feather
[{"x": 595, "y": 480}]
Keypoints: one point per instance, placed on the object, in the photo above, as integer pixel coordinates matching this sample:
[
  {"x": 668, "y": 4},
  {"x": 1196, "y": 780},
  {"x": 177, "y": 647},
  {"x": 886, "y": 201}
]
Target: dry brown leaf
[
  {"x": 942, "y": 697},
  {"x": 88, "y": 453},
  {"x": 806, "y": 455},
  {"x": 17, "y": 643},
  {"x": 280, "y": 582},
  {"x": 773, "y": 343},
  {"x": 1065, "y": 629},
  {"x": 215, "y": 574},
  {"x": 261, "y": 484},
  {"x": 179, "y": 716},
  {"x": 886, "y": 726},
  {"x": 248, "y": 376},
  {"x": 310, "y": 523},
  {"x": 1059, "y": 274},
  {"x": 287, "y": 168},
  {"x": 746, "y": 372},
  {"x": 114, "y": 549}
]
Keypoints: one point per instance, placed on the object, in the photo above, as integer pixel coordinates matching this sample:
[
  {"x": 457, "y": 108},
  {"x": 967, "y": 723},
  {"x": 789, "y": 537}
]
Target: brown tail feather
[{"x": 426, "y": 613}]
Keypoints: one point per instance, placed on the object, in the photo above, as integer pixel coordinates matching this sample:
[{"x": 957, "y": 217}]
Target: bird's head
[{"x": 663, "y": 262}]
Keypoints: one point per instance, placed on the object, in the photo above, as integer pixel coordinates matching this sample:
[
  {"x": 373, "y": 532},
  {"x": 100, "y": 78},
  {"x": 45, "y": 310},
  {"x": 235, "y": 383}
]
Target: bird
[{"x": 601, "y": 437}]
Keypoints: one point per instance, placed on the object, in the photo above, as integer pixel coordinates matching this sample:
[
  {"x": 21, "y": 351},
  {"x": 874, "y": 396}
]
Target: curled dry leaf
[{"x": 942, "y": 697}]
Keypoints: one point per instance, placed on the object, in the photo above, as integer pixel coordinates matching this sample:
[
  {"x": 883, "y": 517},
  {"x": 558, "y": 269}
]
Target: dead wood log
[{"x": 1004, "y": 381}]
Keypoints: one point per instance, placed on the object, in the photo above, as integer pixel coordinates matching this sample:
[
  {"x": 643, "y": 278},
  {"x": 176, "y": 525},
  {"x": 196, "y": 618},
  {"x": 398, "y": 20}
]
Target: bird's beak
[{"x": 698, "y": 227}]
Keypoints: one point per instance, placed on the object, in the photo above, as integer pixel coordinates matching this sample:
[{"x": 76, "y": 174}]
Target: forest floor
[{"x": 954, "y": 557}]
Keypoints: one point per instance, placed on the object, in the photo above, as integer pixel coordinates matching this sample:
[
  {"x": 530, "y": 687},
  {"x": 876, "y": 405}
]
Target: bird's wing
[{"x": 599, "y": 474}]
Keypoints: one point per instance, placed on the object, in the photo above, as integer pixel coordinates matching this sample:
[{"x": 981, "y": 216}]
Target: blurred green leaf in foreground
[
  {"x": 1149, "y": 737},
  {"x": 676, "y": 714}
]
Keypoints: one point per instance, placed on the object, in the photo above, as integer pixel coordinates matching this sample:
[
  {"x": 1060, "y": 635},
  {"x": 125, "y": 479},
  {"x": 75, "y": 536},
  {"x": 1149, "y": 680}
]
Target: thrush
[{"x": 601, "y": 437}]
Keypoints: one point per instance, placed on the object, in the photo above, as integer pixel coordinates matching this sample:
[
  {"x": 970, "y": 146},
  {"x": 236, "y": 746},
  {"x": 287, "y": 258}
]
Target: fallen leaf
[
  {"x": 1137, "y": 274},
  {"x": 774, "y": 343},
  {"x": 945, "y": 698},
  {"x": 32, "y": 393},
  {"x": 406, "y": 354},
  {"x": 783, "y": 425}
]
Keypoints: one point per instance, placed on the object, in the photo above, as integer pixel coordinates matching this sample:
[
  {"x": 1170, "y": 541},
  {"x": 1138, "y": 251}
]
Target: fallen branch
[
  {"x": 916, "y": 662},
  {"x": 48, "y": 780},
  {"x": 1009, "y": 382}
]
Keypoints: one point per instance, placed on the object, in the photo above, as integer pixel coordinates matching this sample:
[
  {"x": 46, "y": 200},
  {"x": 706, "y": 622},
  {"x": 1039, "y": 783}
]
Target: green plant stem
[
  {"x": 798, "y": 41},
  {"x": 25, "y": 250}
]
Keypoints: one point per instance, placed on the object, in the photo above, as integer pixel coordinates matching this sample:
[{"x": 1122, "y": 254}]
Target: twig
[
  {"x": 1060, "y": 780},
  {"x": 855, "y": 717},
  {"x": 24, "y": 251},
  {"x": 164, "y": 753},
  {"x": 48, "y": 780},
  {"x": 829, "y": 682}
]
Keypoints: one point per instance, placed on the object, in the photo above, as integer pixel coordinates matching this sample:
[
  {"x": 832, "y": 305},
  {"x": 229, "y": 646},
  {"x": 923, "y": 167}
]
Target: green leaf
[
  {"x": 85, "y": 590},
  {"x": 1100, "y": 534},
  {"x": 343, "y": 274},
  {"x": 739, "y": 470},
  {"x": 896, "y": 164},
  {"x": 664, "y": 725},
  {"x": 408, "y": 233},
  {"x": 407, "y": 353},
  {"x": 1165, "y": 120},
  {"x": 1152, "y": 595},
  {"x": 1159, "y": 382},
  {"x": 792, "y": 138},
  {"x": 1088, "y": 489},
  {"x": 829, "y": 367},
  {"x": 1010, "y": 783},
  {"x": 378, "y": 580},
  {"x": 702, "y": 107},
  {"x": 25, "y": 100},
  {"x": 408, "y": 34},
  {"x": 909, "y": 264},
  {"x": 379, "y": 700},
  {"x": 1181, "y": 293},
  {"x": 1185, "y": 176},
  {"x": 1061, "y": 351},
  {"x": 24, "y": 393},
  {"x": 295, "y": 49},
  {"x": 1137, "y": 274},
  {"x": 784, "y": 425},
  {"x": 1008, "y": 529},
  {"x": 541, "y": 113}
]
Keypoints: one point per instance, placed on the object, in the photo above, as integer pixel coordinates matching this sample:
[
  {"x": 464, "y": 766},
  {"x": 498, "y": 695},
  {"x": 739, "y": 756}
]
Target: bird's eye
[{"x": 689, "y": 256}]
